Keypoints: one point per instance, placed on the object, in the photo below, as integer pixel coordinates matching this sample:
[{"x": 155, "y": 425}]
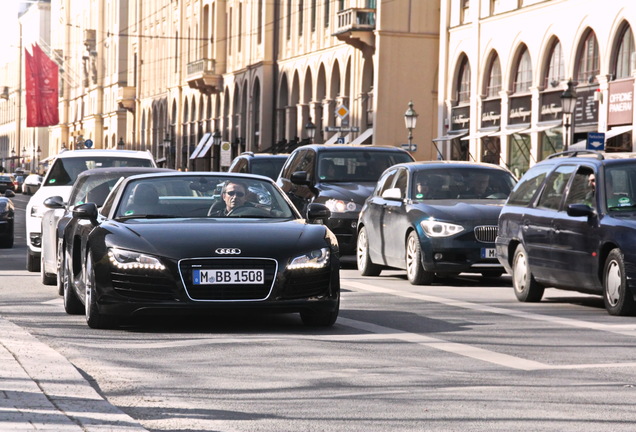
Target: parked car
[
  {"x": 433, "y": 218},
  {"x": 31, "y": 184},
  {"x": 91, "y": 186},
  {"x": 152, "y": 247},
  {"x": 19, "y": 181},
  {"x": 570, "y": 223},
  {"x": 59, "y": 180},
  {"x": 7, "y": 217},
  {"x": 266, "y": 164},
  {"x": 7, "y": 182},
  {"x": 339, "y": 176}
]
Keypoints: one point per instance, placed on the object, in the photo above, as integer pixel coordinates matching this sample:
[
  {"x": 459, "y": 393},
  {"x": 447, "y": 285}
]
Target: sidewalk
[{"x": 40, "y": 390}]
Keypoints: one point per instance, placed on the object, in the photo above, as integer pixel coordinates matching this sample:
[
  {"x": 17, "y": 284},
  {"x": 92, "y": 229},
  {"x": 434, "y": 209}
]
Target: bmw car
[
  {"x": 167, "y": 243},
  {"x": 433, "y": 218},
  {"x": 7, "y": 217}
]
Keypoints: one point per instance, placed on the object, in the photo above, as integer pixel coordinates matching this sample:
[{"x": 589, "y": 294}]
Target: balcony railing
[
  {"x": 201, "y": 74},
  {"x": 356, "y": 19},
  {"x": 199, "y": 67}
]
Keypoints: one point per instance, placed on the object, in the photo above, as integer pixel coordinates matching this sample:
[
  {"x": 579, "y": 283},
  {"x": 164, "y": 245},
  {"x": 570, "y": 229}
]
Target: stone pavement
[{"x": 40, "y": 390}]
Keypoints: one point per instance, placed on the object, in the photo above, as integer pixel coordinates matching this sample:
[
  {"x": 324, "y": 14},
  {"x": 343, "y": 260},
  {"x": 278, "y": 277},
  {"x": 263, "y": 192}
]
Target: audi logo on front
[{"x": 228, "y": 251}]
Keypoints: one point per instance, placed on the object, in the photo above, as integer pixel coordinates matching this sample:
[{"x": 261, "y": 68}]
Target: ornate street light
[
  {"x": 568, "y": 105},
  {"x": 410, "y": 120},
  {"x": 311, "y": 130},
  {"x": 167, "y": 144},
  {"x": 121, "y": 144},
  {"x": 216, "y": 138}
]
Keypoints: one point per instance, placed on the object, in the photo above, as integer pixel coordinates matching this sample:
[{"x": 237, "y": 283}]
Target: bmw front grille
[{"x": 486, "y": 233}]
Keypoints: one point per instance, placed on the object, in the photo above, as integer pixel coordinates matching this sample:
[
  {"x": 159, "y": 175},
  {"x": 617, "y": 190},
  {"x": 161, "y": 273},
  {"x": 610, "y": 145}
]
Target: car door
[
  {"x": 395, "y": 222},
  {"x": 538, "y": 225},
  {"x": 373, "y": 217},
  {"x": 576, "y": 239}
]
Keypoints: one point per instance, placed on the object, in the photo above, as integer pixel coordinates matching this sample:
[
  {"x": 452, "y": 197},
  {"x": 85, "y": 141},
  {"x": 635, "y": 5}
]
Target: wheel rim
[
  {"x": 412, "y": 257},
  {"x": 520, "y": 273},
  {"x": 613, "y": 281},
  {"x": 362, "y": 249},
  {"x": 88, "y": 285},
  {"x": 66, "y": 281}
]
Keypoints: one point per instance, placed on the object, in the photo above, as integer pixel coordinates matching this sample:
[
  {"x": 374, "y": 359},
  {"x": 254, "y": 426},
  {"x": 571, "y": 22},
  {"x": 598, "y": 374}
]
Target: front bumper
[
  {"x": 345, "y": 226},
  {"x": 458, "y": 254}
]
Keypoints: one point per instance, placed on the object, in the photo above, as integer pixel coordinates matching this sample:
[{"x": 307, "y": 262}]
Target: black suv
[
  {"x": 570, "y": 223},
  {"x": 340, "y": 176},
  {"x": 264, "y": 164}
]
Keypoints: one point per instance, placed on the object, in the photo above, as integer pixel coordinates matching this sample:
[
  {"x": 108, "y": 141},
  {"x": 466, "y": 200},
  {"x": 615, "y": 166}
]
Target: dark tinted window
[
  {"x": 526, "y": 188},
  {"x": 359, "y": 165},
  {"x": 582, "y": 189},
  {"x": 385, "y": 182},
  {"x": 269, "y": 167},
  {"x": 64, "y": 171},
  {"x": 552, "y": 193},
  {"x": 453, "y": 183},
  {"x": 620, "y": 187}
]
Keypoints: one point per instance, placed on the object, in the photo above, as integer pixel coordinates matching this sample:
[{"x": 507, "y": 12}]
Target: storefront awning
[
  {"x": 451, "y": 136},
  {"x": 363, "y": 136},
  {"x": 617, "y": 131},
  {"x": 204, "y": 151},
  {"x": 204, "y": 139},
  {"x": 544, "y": 126},
  {"x": 482, "y": 133}
]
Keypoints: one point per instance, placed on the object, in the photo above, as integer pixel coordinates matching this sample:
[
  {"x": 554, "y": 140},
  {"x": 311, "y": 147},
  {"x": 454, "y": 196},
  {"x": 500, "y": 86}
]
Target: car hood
[
  {"x": 189, "y": 238},
  {"x": 475, "y": 212},
  {"x": 356, "y": 192}
]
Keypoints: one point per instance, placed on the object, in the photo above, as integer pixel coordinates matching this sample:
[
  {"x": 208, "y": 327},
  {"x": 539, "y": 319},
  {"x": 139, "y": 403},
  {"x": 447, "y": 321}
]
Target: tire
[
  {"x": 32, "y": 262},
  {"x": 72, "y": 304},
  {"x": 414, "y": 269},
  {"x": 527, "y": 289},
  {"x": 320, "y": 319},
  {"x": 94, "y": 318},
  {"x": 60, "y": 268},
  {"x": 617, "y": 296},
  {"x": 365, "y": 265},
  {"x": 7, "y": 242},
  {"x": 47, "y": 278}
]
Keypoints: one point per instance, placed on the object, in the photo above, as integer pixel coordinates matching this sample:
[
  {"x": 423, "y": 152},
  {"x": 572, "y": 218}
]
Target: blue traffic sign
[
  {"x": 595, "y": 141},
  {"x": 88, "y": 143}
]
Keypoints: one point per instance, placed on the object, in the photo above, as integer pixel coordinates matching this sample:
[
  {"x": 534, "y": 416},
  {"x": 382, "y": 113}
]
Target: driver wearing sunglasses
[{"x": 234, "y": 195}]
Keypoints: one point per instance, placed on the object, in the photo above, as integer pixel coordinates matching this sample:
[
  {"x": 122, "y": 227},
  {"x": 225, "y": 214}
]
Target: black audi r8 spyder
[{"x": 160, "y": 244}]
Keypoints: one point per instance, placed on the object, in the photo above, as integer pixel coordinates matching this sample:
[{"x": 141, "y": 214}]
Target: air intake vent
[{"x": 486, "y": 233}]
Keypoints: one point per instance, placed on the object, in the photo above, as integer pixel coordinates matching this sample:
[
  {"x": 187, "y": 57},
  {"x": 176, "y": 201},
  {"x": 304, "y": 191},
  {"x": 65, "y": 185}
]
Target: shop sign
[
  {"x": 550, "y": 106},
  {"x": 460, "y": 118},
  {"x": 620, "y": 109},
  {"x": 586, "y": 111},
  {"x": 520, "y": 110},
  {"x": 491, "y": 113}
]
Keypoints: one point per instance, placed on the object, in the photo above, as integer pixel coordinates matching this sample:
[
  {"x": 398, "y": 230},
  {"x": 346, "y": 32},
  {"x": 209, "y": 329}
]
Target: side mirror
[
  {"x": 54, "y": 202},
  {"x": 577, "y": 210},
  {"x": 300, "y": 178},
  {"x": 86, "y": 211},
  {"x": 318, "y": 212},
  {"x": 9, "y": 193},
  {"x": 392, "y": 194}
]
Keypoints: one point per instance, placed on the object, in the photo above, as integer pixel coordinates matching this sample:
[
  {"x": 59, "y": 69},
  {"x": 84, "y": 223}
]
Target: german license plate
[
  {"x": 488, "y": 253},
  {"x": 232, "y": 277}
]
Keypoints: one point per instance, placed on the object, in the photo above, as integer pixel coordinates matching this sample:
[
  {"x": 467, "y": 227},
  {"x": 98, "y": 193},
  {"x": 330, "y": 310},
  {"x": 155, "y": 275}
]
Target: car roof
[
  {"x": 104, "y": 152},
  {"x": 445, "y": 164},
  {"x": 589, "y": 156},
  {"x": 173, "y": 173},
  {"x": 121, "y": 170},
  {"x": 265, "y": 155},
  {"x": 349, "y": 147}
]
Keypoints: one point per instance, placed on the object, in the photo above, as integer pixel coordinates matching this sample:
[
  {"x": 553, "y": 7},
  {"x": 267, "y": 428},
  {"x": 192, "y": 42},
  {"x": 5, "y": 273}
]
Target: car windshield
[
  {"x": 205, "y": 196},
  {"x": 5, "y": 179},
  {"x": 357, "y": 165},
  {"x": 620, "y": 187},
  {"x": 464, "y": 182},
  {"x": 64, "y": 171},
  {"x": 93, "y": 188},
  {"x": 269, "y": 167}
]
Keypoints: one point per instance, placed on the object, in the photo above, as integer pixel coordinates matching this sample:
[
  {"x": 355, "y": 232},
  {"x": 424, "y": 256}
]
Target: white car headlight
[
  {"x": 318, "y": 258},
  {"x": 435, "y": 228},
  {"x": 125, "y": 259},
  {"x": 37, "y": 211},
  {"x": 340, "y": 206}
]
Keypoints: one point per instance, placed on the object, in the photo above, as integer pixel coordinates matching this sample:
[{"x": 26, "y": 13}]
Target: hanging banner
[{"x": 41, "y": 89}]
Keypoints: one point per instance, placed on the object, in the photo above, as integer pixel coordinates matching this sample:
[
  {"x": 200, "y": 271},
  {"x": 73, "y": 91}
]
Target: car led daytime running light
[
  {"x": 315, "y": 259},
  {"x": 123, "y": 259},
  {"x": 435, "y": 228}
]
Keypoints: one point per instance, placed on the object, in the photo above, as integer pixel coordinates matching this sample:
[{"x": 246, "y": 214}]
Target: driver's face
[{"x": 234, "y": 196}]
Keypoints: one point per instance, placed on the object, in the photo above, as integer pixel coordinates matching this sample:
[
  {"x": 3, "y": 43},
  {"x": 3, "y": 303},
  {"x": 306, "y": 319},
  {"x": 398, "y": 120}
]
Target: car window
[
  {"x": 620, "y": 187},
  {"x": 93, "y": 189},
  {"x": 269, "y": 167},
  {"x": 582, "y": 188},
  {"x": 385, "y": 182},
  {"x": 292, "y": 163},
  {"x": 401, "y": 181},
  {"x": 64, "y": 171},
  {"x": 456, "y": 182},
  {"x": 359, "y": 165},
  {"x": 552, "y": 193},
  {"x": 527, "y": 187}
]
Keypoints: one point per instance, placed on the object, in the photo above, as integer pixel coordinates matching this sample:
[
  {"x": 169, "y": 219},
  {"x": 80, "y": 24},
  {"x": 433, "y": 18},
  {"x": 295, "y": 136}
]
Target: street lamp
[
  {"x": 167, "y": 142},
  {"x": 311, "y": 130},
  {"x": 24, "y": 152},
  {"x": 12, "y": 158},
  {"x": 410, "y": 120},
  {"x": 121, "y": 144},
  {"x": 216, "y": 138},
  {"x": 38, "y": 153},
  {"x": 568, "y": 105}
]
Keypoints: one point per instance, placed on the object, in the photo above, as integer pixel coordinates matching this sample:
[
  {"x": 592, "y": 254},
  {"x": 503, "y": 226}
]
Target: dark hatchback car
[
  {"x": 7, "y": 218},
  {"x": 7, "y": 182},
  {"x": 570, "y": 223},
  {"x": 340, "y": 176},
  {"x": 433, "y": 218},
  {"x": 268, "y": 165}
]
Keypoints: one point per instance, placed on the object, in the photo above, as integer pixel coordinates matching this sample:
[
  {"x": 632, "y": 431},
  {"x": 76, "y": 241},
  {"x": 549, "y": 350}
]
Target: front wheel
[
  {"x": 320, "y": 319},
  {"x": 365, "y": 265},
  {"x": 617, "y": 297},
  {"x": 72, "y": 304},
  {"x": 527, "y": 289},
  {"x": 46, "y": 278},
  {"x": 94, "y": 318},
  {"x": 414, "y": 268},
  {"x": 32, "y": 262}
]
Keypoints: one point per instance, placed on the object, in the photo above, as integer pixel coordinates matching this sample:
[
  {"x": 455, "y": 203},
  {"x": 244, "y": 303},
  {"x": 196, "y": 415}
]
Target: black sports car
[
  {"x": 7, "y": 217},
  {"x": 199, "y": 242}
]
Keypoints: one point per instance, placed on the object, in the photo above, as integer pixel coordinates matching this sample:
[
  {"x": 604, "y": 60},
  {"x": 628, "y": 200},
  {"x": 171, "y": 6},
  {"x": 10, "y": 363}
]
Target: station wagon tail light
[
  {"x": 125, "y": 259},
  {"x": 315, "y": 259},
  {"x": 435, "y": 228}
]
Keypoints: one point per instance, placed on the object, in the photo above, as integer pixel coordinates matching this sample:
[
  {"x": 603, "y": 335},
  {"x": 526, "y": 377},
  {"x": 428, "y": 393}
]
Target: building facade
[
  {"x": 505, "y": 65},
  {"x": 199, "y": 81}
]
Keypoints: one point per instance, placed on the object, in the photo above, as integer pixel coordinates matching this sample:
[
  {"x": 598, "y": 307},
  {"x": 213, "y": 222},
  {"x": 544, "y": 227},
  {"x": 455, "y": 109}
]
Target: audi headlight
[
  {"x": 37, "y": 211},
  {"x": 125, "y": 259},
  {"x": 340, "y": 206},
  {"x": 435, "y": 228},
  {"x": 315, "y": 259}
]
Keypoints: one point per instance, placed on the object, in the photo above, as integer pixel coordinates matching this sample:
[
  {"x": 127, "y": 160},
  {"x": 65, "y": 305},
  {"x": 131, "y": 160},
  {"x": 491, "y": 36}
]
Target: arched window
[
  {"x": 493, "y": 87},
  {"x": 623, "y": 68},
  {"x": 588, "y": 62},
  {"x": 463, "y": 82},
  {"x": 555, "y": 72},
  {"x": 523, "y": 75}
]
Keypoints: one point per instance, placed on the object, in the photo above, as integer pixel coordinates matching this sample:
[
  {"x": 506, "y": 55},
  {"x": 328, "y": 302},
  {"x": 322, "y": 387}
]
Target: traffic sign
[
  {"x": 342, "y": 129},
  {"x": 409, "y": 147},
  {"x": 342, "y": 111},
  {"x": 88, "y": 143},
  {"x": 340, "y": 140},
  {"x": 595, "y": 141}
]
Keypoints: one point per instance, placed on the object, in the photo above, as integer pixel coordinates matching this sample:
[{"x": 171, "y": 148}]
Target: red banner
[{"x": 41, "y": 89}]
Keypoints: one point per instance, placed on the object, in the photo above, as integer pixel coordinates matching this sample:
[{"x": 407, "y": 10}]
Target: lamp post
[
  {"x": 38, "y": 153},
  {"x": 24, "y": 152},
  {"x": 121, "y": 145},
  {"x": 167, "y": 141},
  {"x": 410, "y": 120},
  {"x": 12, "y": 159},
  {"x": 215, "y": 152},
  {"x": 568, "y": 104},
  {"x": 310, "y": 127}
]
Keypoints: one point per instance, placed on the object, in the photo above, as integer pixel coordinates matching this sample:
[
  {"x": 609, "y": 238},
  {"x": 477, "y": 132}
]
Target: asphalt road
[{"x": 461, "y": 355}]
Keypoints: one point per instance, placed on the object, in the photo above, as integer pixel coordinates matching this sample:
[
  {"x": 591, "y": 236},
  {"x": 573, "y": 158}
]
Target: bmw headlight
[
  {"x": 125, "y": 259},
  {"x": 435, "y": 228},
  {"x": 315, "y": 259},
  {"x": 340, "y": 206}
]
